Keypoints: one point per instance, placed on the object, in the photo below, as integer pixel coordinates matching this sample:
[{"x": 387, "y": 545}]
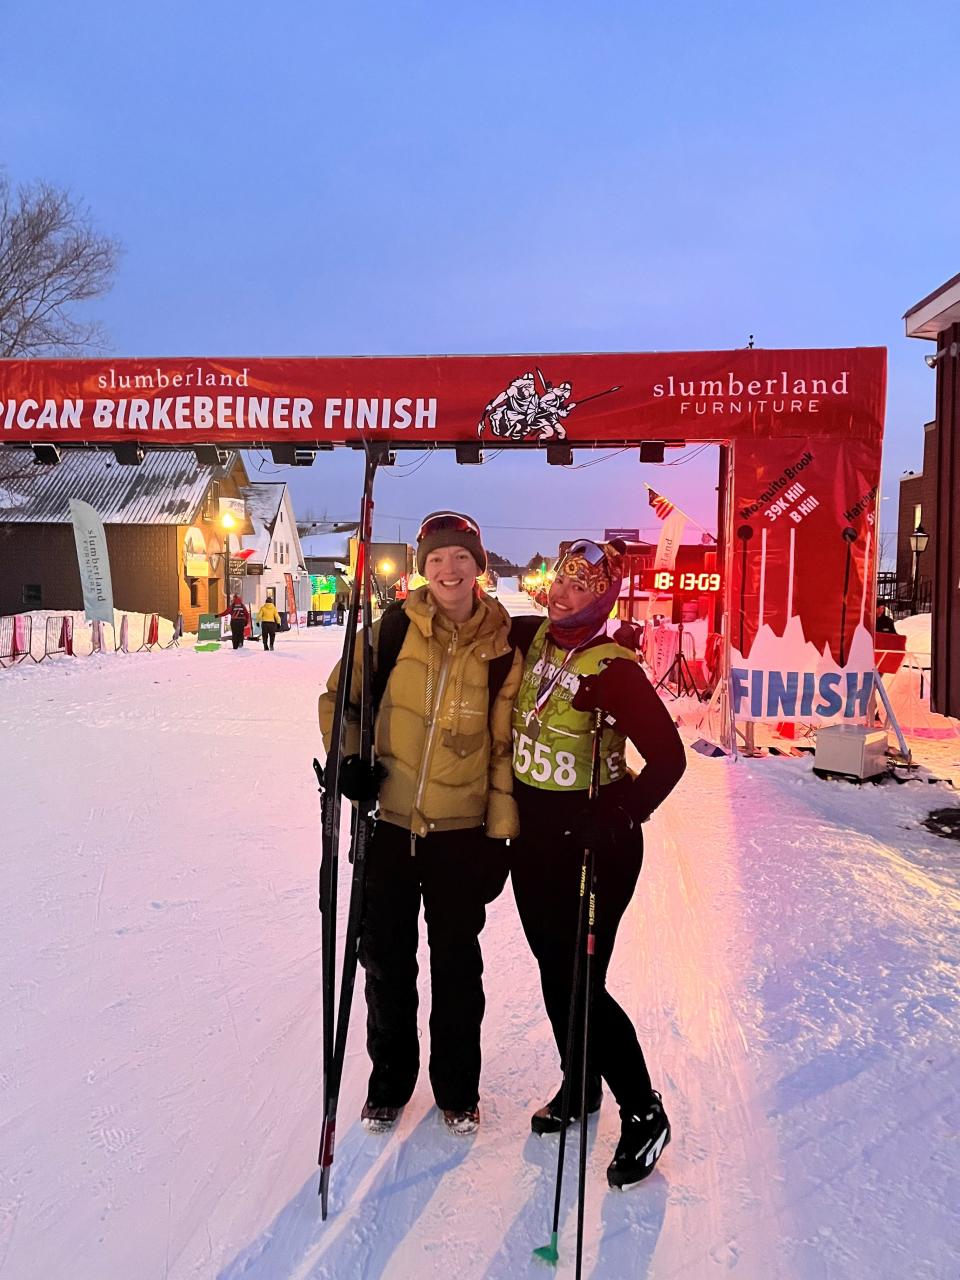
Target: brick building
[
  {"x": 162, "y": 522},
  {"x": 918, "y": 506},
  {"x": 936, "y": 318}
]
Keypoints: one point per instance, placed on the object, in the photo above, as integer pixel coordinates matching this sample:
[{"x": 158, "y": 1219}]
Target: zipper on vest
[{"x": 434, "y": 717}]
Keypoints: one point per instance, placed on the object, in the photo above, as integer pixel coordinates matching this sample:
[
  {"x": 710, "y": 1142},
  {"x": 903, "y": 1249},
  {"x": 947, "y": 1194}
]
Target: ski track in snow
[{"x": 790, "y": 957}]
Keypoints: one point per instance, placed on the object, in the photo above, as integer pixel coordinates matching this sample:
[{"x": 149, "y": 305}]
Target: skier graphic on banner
[
  {"x": 521, "y": 412},
  {"x": 510, "y": 414}
]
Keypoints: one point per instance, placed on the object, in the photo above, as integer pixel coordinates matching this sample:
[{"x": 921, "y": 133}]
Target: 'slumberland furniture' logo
[{"x": 783, "y": 393}]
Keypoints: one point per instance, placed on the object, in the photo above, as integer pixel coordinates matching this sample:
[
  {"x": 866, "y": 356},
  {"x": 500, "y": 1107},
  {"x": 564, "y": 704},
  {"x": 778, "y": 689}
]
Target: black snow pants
[
  {"x": 445, "y": 871},
  {"x": 237, "y": 628},
  {"x": 545, "y": 868},
  {"x": 268, "y": 633}
]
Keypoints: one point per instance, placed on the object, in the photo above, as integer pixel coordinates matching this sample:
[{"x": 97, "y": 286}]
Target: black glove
[
  {"x": 359, "y": 780},
  {"x": 585, "y": 699},
  {"x": 610, "y": 823}
]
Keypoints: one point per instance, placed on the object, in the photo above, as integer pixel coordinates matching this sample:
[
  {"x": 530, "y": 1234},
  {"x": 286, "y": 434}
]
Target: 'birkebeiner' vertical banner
[{"x": 94, "y": 562}]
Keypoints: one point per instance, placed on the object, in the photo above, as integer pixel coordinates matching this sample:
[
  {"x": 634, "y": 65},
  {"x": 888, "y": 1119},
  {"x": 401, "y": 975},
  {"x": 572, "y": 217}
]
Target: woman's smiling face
[{"x": 451, "y": 574}]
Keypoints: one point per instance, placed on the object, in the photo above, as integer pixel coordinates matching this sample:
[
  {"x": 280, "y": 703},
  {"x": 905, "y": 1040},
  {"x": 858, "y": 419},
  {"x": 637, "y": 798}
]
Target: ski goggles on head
[
  {"x": 584, "y": 549},
  {"x": 447, "y": 522}
]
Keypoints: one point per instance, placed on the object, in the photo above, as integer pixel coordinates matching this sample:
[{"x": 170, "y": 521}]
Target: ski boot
[
  {"x": 379, "y": 1120},
  {"x": 643, "y": 1137},
  {"x": 463, "y": 1123},
  {"x": 549, "y": 1118}
]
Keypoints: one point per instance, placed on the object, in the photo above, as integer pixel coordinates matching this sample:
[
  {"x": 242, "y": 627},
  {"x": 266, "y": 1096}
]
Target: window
[
  {"x": 194, "y": 585},
  {"x": 213, "y": 595},
  {"x": 272, "y": 594},
  {"x": 211, "y": 503},
  {"x": 32, "y": 594},
  {"x": 281, "y": 552},
  {"x": 916, "y": 516}
]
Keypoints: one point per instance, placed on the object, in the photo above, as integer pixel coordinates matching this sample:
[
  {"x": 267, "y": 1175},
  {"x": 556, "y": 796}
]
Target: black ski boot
[
  {"x": 643, "y": 1137},
  {"x": 549, "y": 1119}
]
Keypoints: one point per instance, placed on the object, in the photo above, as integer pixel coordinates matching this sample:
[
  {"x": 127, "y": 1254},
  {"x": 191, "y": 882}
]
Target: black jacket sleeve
[
  {"x": 522, "y": 630},
  {"x": 624, "y": 693}
]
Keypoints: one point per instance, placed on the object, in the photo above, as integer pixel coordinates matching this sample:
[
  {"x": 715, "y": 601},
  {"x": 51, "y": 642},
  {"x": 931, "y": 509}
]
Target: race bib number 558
[{"x": 536, "y": 761}]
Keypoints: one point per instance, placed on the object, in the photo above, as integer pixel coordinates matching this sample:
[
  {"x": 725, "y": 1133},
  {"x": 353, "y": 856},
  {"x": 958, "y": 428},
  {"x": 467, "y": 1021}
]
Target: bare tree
[{"x": 51, "y": 257}]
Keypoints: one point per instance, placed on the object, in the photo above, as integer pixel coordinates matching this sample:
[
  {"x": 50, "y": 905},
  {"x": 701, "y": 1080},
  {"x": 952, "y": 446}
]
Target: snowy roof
[
  {"x": 166, "y": 488},
  {"x": 263, "y": 505},
  {"x": 327, "y": 546}
]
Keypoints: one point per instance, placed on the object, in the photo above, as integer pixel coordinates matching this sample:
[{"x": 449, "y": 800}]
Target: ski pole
[
  {"x": 587, "y": 1001},
  {"x": 550, "y": 1252},
  {"x": 588, "y": 987},
  {"x": 335, "y": 1019}
]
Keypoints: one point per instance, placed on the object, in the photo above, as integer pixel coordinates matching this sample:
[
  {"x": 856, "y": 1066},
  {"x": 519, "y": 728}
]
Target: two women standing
[{"x": 445, "y": 736}]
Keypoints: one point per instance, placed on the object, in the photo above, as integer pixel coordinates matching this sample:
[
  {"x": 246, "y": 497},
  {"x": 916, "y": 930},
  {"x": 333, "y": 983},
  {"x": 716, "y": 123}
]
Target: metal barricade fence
[
  {"x": 174, "y": 642},
  {"x": 151, "y": 633},
  {"x": 58, "y": 636},
  {"x": 16, "y": 639}
]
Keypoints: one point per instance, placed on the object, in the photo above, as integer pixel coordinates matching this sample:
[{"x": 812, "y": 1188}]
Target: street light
[
  {"x": 227, "y": 522},
  {"x": 384, "y": 568},
  {"x": 918, "y": 545}
]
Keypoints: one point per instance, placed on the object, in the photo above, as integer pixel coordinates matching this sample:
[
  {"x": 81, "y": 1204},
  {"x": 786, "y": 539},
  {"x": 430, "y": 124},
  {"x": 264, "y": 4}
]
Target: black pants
[
  {"x": 268, "y": 633},
  {"x": 545, "y": 867},
  {"x": 445, "y": 872},
  {"x": 237, "y": 628}
]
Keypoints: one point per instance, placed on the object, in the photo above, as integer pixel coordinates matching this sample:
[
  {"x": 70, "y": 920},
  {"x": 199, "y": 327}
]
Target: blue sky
[{"x": 311, "y": 179}]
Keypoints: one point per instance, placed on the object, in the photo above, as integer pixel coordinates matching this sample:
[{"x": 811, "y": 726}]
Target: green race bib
[{"x": 554, "y": 751}]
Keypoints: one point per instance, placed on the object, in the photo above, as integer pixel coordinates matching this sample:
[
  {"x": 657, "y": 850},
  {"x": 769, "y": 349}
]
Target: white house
[{"x": 275, "y": 545}]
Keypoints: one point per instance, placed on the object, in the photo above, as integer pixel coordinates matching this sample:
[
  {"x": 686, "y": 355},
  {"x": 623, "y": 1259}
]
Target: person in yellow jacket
[
  {"x": 444, "y": 781},
  {"x": 269, "y": 624}
]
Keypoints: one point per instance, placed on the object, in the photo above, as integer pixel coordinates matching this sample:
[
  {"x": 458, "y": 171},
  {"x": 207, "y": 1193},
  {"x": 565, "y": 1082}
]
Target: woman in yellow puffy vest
[
  {"x": 444, "y": 782},
  {"x": 571, "y": 670}
]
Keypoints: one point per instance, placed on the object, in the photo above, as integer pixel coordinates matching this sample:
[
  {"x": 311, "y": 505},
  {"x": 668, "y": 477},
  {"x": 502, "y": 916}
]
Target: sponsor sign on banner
[
  {"x": 91, "y": 540},
  {"x": 506, "y": 399},
  {"x": 804, "y": 543}
]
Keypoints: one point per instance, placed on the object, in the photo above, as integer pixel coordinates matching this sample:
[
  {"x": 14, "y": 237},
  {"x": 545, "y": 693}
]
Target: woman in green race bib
[{"x": 570, "y": 670}]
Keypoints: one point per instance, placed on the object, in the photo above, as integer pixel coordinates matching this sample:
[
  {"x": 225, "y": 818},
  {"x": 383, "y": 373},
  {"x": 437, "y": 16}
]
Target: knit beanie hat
[{"x": 450, "y": 529}]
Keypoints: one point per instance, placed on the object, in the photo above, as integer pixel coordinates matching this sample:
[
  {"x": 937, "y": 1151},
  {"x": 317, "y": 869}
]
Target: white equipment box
[{"x": 852, "y": 750}]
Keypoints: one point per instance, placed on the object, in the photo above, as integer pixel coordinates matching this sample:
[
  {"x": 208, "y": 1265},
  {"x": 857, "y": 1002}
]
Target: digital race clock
[{"x": 686, "y": 583}]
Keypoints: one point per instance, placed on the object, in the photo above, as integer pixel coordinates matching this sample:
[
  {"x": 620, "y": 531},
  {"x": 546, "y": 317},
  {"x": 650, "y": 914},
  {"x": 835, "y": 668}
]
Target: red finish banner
[
  {"x": 804, "y": 539},
  {"x": 419, "y": 401}
]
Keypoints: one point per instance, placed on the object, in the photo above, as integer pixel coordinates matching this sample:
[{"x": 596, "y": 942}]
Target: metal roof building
[{"x": 166, "y": 488}]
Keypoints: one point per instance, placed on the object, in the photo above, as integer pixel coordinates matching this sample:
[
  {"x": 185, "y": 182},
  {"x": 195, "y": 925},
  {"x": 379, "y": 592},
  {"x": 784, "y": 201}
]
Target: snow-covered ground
[{"x": 791, "y": 958}]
